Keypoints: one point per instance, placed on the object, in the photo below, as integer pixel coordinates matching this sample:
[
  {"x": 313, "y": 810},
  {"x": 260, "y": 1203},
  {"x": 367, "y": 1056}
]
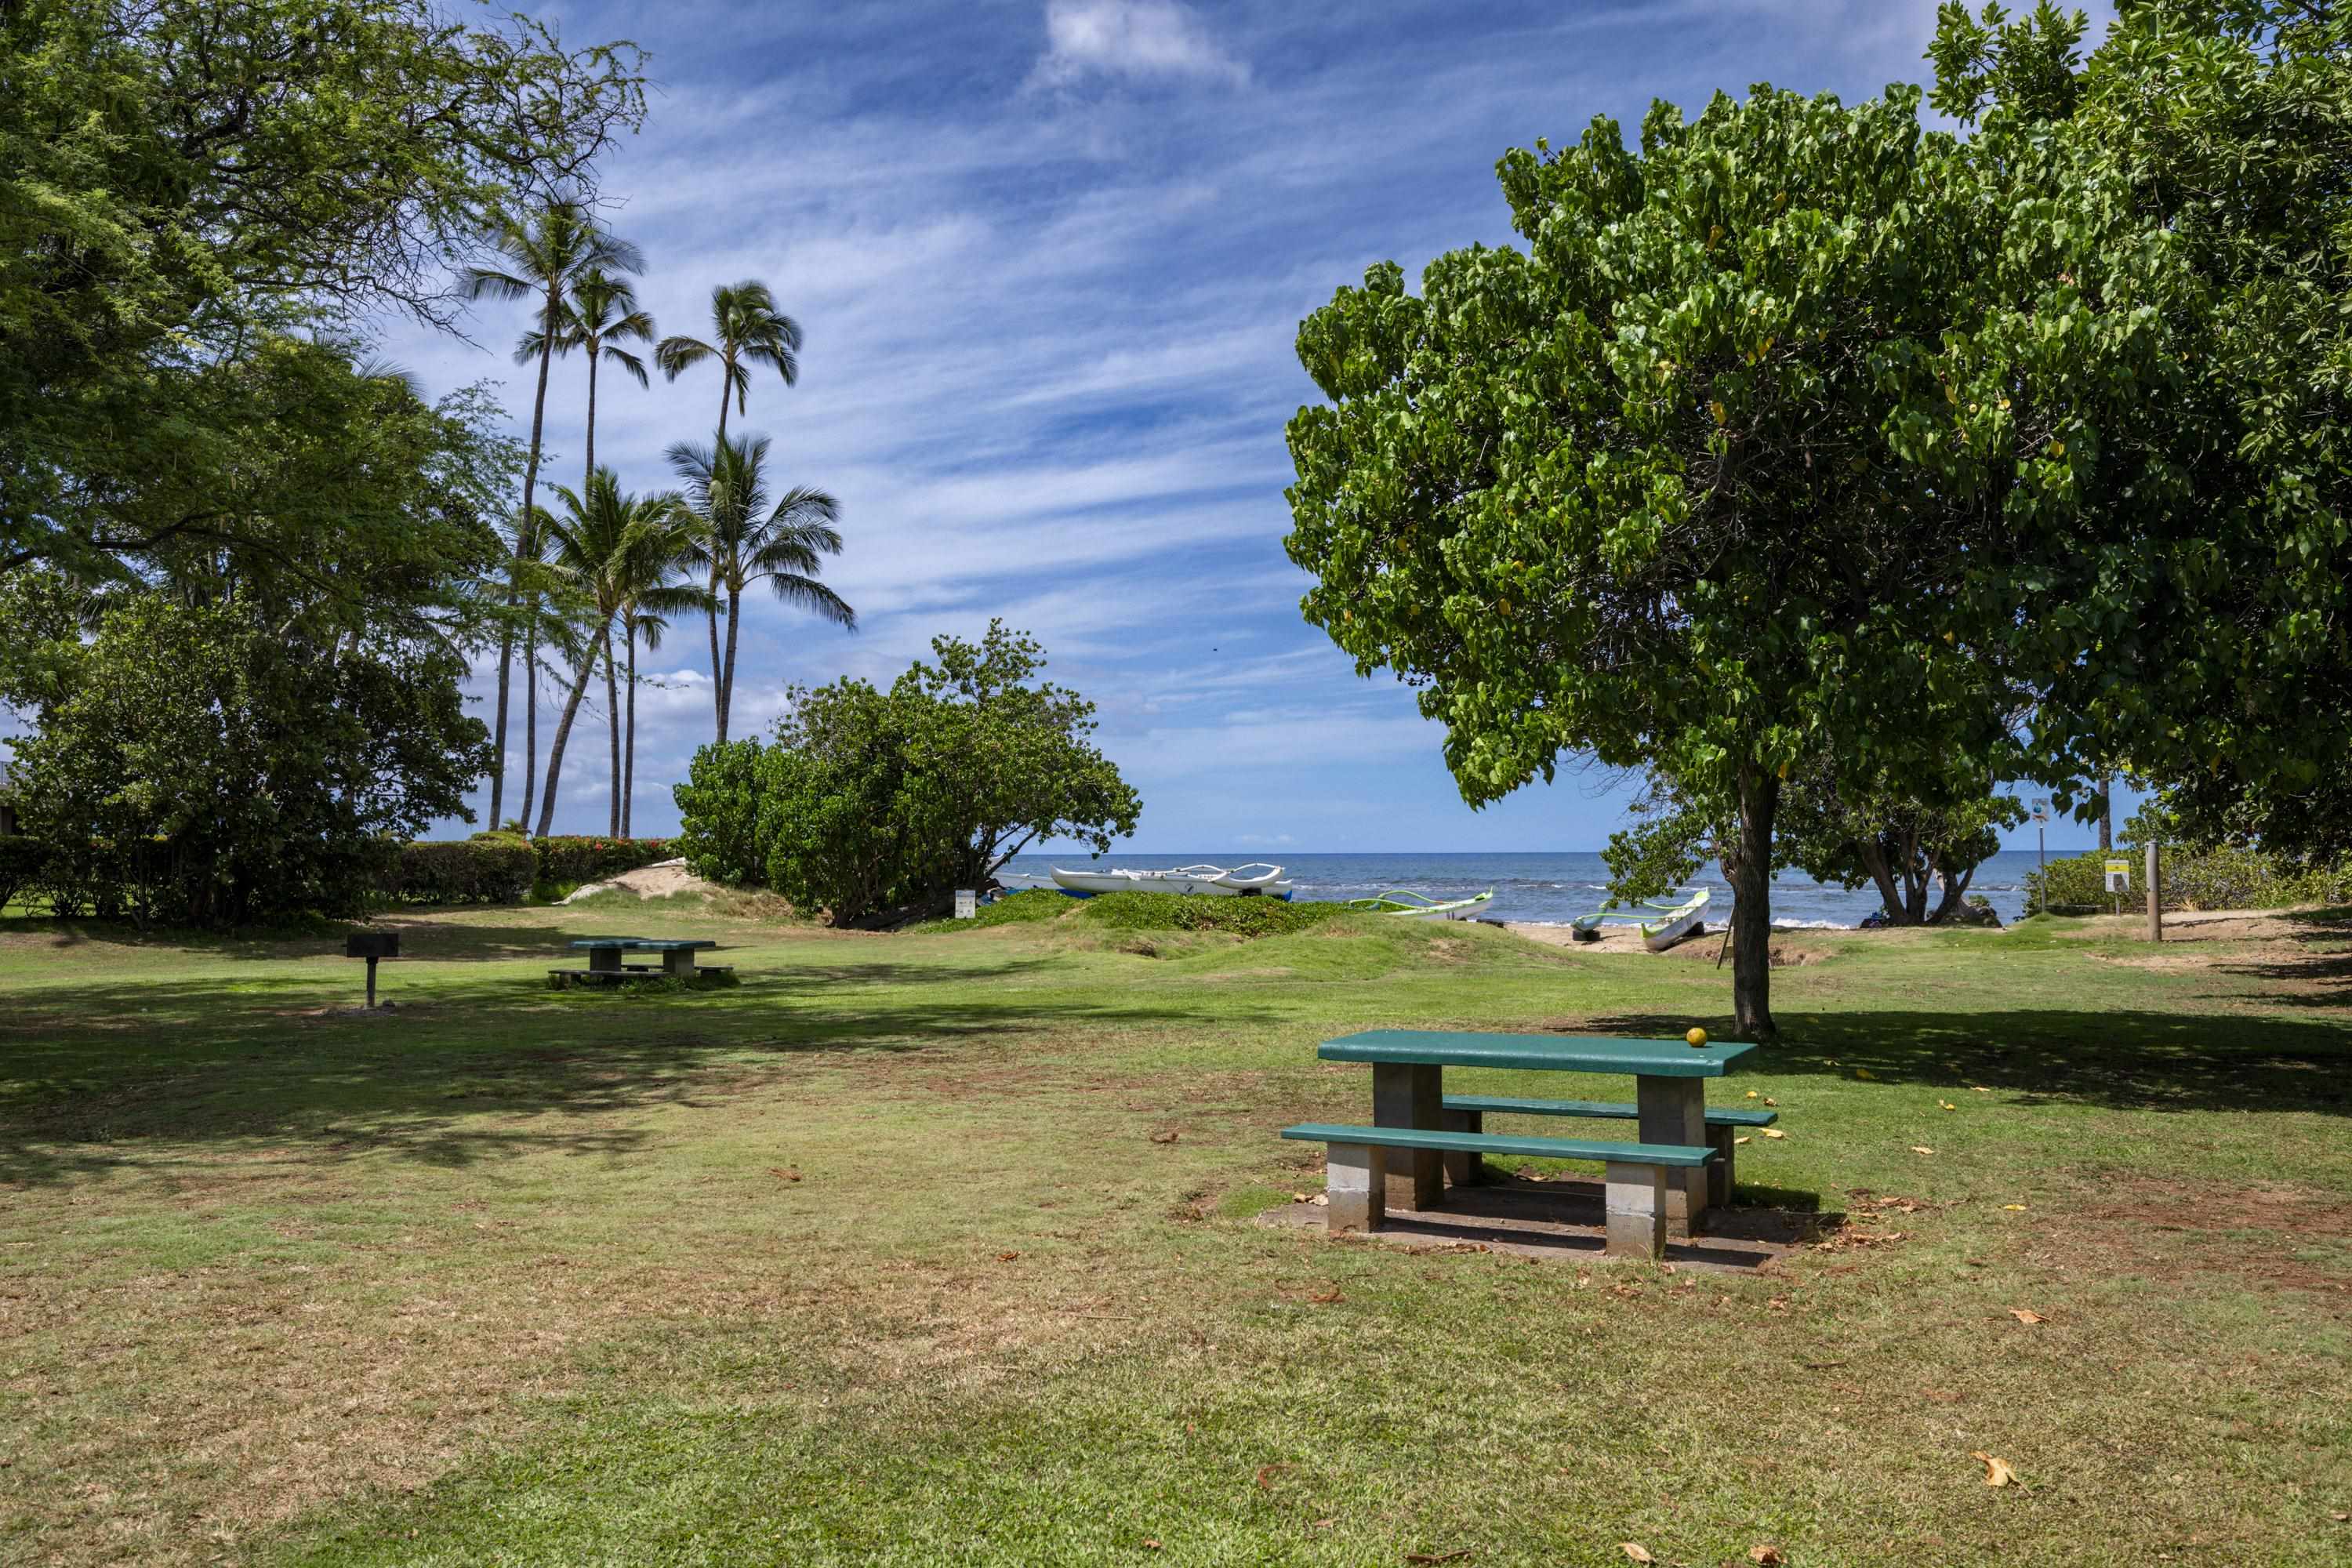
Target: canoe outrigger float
[
  {"x": 1674, "y": 922},
  {"x": 1405, "y": 904}
]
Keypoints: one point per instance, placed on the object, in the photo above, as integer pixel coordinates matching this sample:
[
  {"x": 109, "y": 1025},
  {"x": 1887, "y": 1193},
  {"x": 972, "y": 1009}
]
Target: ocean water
[{"x": 1545, "y": 887}]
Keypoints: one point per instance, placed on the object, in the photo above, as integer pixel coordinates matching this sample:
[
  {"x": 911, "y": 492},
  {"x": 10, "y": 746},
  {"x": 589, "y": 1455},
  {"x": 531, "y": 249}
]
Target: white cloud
[{"x": 1140, "y": 39}]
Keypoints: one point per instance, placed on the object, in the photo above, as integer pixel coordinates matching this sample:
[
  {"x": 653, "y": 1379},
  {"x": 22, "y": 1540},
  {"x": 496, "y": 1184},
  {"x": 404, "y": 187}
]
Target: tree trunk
[
  {"x": 629, "y": 746},
  {"x": 526, "y": 533},
  {"x": 563, "y": 734},
  {"x": 727, "y": 692},
  {"x": 2106, "y": 811},
  {"x": 588, "y": 468},
  {"x": 498, "y": 774},
  {"x": 1751, "y": 875},
  {"x": 710, "y": 615},
  {"x": 1873, "y": 860},
  {"x": 613, "y": 727},
  {"x": 1955, "y": 889}
]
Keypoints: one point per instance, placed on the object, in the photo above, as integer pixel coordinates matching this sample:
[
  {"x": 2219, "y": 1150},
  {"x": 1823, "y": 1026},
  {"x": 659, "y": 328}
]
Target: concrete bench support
[
  {"x": 1412, "y": 1094},
  {"x": 1674, "y": 1111},
  {"x": 1355, "y": 1185},
  {"x": 1634, "y": 1207},
  {"x": 1464, "y": 1168},
  {"x": 1718, "y": 1175}
]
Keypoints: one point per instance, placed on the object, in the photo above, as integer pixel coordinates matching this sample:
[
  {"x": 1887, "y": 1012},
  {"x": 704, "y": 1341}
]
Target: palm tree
[
  {"x": 649, "y": 598},
  {"x": 740, "y": 540},
  {"x": 542, "y": 258},
  {"x": 600, "y": 315},
  {"x": 746, "y": 329},
  {"x": 594, "y": 544}
]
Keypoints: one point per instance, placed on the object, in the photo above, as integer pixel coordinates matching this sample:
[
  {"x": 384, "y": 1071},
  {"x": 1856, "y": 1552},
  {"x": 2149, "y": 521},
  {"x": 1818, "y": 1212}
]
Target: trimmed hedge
[
  {"x": 575, "y": 859},
  {"x": 2193, "y": 879},
  {"x": 1181, "y": 911},
  {"x": 496, "y": 868}
]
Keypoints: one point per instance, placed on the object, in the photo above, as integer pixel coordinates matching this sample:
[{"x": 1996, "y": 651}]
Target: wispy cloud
[{"x": 1142, "y": 40}]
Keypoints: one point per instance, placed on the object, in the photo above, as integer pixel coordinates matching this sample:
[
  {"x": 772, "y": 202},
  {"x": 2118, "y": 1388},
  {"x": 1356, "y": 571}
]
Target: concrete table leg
[
  {"x": 1635, "y": 1209},
  {"x": 1462, "y": 1167},
  {"x": 1718, "y": 1175},
  {"x": 604, "y": 960},
  {"x": 1412, "y": 1094},
  {"x": 1355, "y": 1187},
  {"x": 1674, "y": 1111},
  {"x": 679, "y": 962}
]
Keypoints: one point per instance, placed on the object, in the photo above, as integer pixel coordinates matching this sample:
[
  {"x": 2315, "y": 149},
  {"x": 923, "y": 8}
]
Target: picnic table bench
[
  {"x": 607, "y": 964},
  {"x": 1663, "y": 1183}
]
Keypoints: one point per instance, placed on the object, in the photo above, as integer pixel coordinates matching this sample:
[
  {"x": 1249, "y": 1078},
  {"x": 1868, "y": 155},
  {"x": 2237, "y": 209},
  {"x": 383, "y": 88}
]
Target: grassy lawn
[{"x": 875, "y": 1257}]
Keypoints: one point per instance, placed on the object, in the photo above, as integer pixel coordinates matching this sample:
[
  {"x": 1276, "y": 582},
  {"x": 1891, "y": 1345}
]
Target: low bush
[
  {"x": 1181, "y": 911},
  {"x": 492, "y": 869},
  {"x": 1026, "y": 907},
  {"x": 718, "y": 811},
  {"x": 2222, "y": 878},
  {"x": 21, "y": 858}
]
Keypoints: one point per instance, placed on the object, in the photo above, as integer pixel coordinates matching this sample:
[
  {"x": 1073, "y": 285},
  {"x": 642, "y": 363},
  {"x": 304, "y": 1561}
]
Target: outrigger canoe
[
  {"x": 1256, "y": 879},
  {"x": 1405, "y": 904},
  {"x": 1674, "y": 921}
]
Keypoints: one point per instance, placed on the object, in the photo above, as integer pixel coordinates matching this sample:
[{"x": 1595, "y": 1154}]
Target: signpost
[
  {"x": 967, "y": 903},
  {"x": 2042, "y": 852},
  {"x": 2119, "y": 881}
]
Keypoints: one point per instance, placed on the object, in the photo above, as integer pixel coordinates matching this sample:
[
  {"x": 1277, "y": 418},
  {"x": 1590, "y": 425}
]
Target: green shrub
[
  {"x": 1027, "y": 907},
  {"x": 718, "y": 811},
  {"x": 2223, "y": 878},
  {"x": 21, "y": 858},
  {"x": 1183, "y": 911},
  {"x": 572, "y": 860},
  {"x": 493, "y": 868}
]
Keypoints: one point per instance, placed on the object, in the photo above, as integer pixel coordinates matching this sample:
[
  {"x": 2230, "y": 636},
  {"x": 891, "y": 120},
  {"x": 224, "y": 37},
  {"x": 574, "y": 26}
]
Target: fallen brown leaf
[
  {"x": 1769, "y": 1556},
  {"x": 1772, "y": 1102},
  {"x": 1739, "y": 1139},
  {"x": 1006, "y": 1257},
  {"x": 2014, "y": 1208},
  {"x": 1299, "y": 1197},
  {"x": 782, "y": 1173},
  {"x": 1151, "y": 1546},
  {"x": 1265, "y": 1474},
  {"x": 1774, "y": 1132},
  {"x": 1637, "y": 1551},
  {"x": 1163, "y": 1137},
  {"x": 1437, "y": 1556},
  {"x": 2027, "y": 1315},
  {"x": 1921, "y": 1149},
  {"x": 1326, "y": 1523},
  {"x": 1326, "y": 1297},
  {"x": 1320, "y": 1200},
  {"x": 1997, "y": 1471},
  {"x": 2339, "y": 1516},
  {"x": 1941, "y": 1396}
]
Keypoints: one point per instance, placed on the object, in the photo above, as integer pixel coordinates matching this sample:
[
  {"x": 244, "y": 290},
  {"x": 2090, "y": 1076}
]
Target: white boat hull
[
  {"x": 1660, "y": 935},
  {"x": 1211, "y": 881}
]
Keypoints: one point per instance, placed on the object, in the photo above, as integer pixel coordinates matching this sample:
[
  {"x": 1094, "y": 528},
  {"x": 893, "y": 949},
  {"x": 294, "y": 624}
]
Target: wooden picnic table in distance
[
  {"x": 1670, "y": 1097},
  {"x": 607, "y": 964}
]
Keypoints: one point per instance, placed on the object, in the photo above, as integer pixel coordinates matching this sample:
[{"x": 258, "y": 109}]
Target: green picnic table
[
  {"x": 1663, "y": 1182},
  {"x": 608, "y": 965}
]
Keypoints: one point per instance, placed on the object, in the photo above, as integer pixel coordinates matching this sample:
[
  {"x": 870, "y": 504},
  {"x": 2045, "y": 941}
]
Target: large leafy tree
[
  {"x": 542, "y": 258},
  {"x": 2195, "y": 594},
  {"x": 742, "y": 536},
  {"x": 183, "y": 182},
  {"x": 202, "y": 763},
  {"x": 747, "y": 330},
  {"x": 1653, "y": 490},
  {"x": 876, "y": 805}
]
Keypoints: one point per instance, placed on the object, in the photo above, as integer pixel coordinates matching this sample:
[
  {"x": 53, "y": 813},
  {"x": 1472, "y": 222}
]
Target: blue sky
[{"x": 1050, "y": 257}]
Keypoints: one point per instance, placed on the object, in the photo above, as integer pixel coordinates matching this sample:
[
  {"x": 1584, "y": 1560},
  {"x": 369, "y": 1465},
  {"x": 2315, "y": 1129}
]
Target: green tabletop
[
  {"x": 642, "y": 944},
  {"x": 1555, "y": 1053}
]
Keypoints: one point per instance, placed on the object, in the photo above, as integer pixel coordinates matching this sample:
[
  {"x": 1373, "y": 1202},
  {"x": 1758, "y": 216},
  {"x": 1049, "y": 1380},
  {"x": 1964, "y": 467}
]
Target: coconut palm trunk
[
  {"x": 718, "y": 684},
  {"x": 530, "y": 636},
  {"x": 629, "y": 745},
  {"x": 613, "y": 726},
  {"x": 727, "y": 691},
  {"x": 555, "y": 747}
]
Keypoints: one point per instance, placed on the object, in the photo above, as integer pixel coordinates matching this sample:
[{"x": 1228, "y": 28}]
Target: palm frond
[{"x": 675, "y": 355}]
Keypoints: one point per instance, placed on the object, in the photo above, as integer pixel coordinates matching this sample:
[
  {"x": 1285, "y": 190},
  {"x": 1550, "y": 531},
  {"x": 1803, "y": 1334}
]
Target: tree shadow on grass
[
  {"x": 2132, "y": 1061},
  {"x": 2323, "y": 966},
  {"x": 166, "y": 1064}
]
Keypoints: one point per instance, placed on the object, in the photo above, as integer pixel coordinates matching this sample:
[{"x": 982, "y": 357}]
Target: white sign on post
[
  {"x": 967, "y": 903},
  {"x": 2119, "y": 876}
]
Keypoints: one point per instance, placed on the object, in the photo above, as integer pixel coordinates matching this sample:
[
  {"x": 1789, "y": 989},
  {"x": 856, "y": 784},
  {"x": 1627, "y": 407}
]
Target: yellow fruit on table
[{"x": 1697, "y": 1038}]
